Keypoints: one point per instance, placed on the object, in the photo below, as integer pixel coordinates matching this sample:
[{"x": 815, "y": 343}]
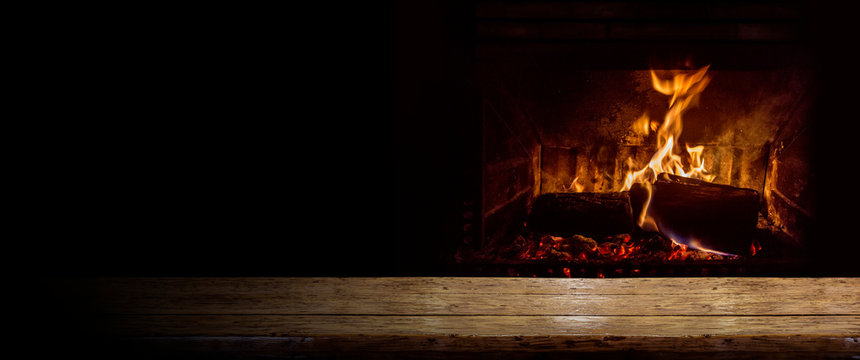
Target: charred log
[
  {"x": 700, "y": 214},
  {"x": 591, "y": 214}
]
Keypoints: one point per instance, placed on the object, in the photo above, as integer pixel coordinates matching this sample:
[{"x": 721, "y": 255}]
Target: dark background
[
  {"x": 307, "y": 140},
  {"x": 312, "y": 140}
]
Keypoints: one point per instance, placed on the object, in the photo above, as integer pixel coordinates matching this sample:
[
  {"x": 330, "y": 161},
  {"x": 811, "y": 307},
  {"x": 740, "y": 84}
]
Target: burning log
[
  {"x": 699, "y": 214},
  {"x": 591, "y": 214}
]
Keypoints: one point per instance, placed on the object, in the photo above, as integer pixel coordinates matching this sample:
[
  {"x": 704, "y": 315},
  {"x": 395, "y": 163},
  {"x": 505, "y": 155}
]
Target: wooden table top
[{"x": 430, "y": 315}]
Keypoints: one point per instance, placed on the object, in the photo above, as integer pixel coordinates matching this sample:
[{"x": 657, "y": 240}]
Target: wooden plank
[
  {"x": 527, "y": 347},
  {"x": 520, "y": 347},
  {"x": 460, "y": 317},
  {"x": 477, "y": 296},
  {"x": 467, "y": 285},
  {"x": 342, "y": 325},
  {"x": 490, "y": 304}
]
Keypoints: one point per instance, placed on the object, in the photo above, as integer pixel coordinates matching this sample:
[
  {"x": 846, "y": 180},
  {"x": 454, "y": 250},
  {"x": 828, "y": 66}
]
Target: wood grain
[
  {"x": 493, "y": 325},
  {"x": 816, "y": 346},
  {"x": 423, "y": 285},
  {"x": 479, "y": 296},
  {"x": 347, "y": 317}
]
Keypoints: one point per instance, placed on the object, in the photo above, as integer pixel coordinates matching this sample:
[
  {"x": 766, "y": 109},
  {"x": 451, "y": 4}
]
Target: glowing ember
[
  {"x": 679, "y": 254},
  {"x": 613, "y": 249}
]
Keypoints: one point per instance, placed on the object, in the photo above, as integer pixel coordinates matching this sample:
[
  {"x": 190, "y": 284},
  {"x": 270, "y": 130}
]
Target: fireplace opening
[{"x": 633, "y": 140}]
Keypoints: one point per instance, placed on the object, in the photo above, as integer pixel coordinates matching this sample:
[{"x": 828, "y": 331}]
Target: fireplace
[{"x": 571, "y": 105}]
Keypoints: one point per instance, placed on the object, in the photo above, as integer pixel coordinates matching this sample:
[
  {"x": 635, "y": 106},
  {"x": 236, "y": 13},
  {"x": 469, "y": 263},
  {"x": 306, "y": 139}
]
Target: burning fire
[
  {"x": 669, "y": 157},
  {"x": 575, "y": 186},
  {"x": 684, "y": 89}
]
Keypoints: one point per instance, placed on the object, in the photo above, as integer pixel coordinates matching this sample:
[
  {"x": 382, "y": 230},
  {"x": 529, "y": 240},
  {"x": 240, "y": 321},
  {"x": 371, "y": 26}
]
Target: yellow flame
[
  {"x": 697, "y": 162},
  {"x": 681, "y": 84},
  {"x": 642, "y": 125},
  {"x": 683, "y": 89},
  {"x": 574, "y": 186},
  {"x": 577, "y": 186}
]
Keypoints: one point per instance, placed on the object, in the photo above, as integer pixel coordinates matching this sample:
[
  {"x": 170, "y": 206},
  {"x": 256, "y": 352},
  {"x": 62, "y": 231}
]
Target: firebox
[{"x": 624, "y": 139}]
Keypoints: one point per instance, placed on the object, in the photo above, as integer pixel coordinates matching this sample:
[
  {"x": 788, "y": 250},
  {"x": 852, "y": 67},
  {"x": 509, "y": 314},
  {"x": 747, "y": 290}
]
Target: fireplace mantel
[{"x": 472, "y": 317}]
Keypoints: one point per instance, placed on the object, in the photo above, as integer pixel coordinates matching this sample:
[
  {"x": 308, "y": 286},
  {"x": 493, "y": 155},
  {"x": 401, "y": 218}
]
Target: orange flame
[
  {"x": 683, "y": 89},
  {"x": 575, "y": 186},
  {"x": 642, "y": 125}
]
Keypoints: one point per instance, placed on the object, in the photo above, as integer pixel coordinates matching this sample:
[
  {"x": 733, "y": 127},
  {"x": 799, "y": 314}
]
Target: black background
[
  {"x": 304, "y": 140},
  {"x": 309, "y": 140}
]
